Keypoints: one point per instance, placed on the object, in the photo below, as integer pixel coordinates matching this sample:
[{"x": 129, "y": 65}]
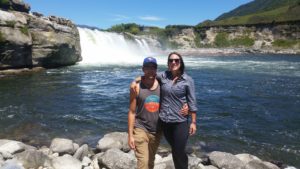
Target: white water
[{"x": 103, "y": 48}]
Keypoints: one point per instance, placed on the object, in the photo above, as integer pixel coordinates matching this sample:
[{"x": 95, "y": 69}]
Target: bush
[
  {"x": 2, "y": 39},
  {"x": 206, "y": 23},
  {"x": 11, "y": 23},
  {"x": 221, "y": 40},
  {"x": 242, "y": 41},
  {"x": 4, "y": 2},
  {"x": 197, "y": 40},
  {"x": 285, "y": 43},
  {"x": 130, "y": 28},
  {"x": 25, "y": 30}
]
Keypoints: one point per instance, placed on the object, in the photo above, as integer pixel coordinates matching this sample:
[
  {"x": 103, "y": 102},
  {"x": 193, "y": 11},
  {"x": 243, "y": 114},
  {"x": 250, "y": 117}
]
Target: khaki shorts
[{"x": 146, "y": 145}]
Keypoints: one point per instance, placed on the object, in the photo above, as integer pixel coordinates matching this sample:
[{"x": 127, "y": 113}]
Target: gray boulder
[
  {"x": 117, "y": 159},
  {"x": 12, "y": 164},
  {"x": 62, "y": 146},
  {"x": 1, "y": 160},
  {"x": 81, "y": 152},
  {"x": 194, "y": 162},
  {"x": 225, "y": 160},
  {"x": 94, "y": 164},
  {"x": 166, "y": 162},
  {"x": 246, "y": 157},
  {"x": 258, "y": 164},
  {"x": 11, "y": 147},
  {"x": 114, "y": 140},
  {"x": 65, "y": 162},
  {"x": 201, "y": 166},
  {"x": 33, "y": 159}
]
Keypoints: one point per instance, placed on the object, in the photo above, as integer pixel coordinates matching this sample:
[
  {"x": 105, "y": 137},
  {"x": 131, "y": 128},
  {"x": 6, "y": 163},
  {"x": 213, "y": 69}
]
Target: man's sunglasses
[{"x": 171, "y": 60}]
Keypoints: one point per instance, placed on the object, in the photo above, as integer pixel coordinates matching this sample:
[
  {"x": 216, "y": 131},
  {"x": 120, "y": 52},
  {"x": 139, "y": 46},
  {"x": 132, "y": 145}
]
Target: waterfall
[{"x": 99, "y": 47}]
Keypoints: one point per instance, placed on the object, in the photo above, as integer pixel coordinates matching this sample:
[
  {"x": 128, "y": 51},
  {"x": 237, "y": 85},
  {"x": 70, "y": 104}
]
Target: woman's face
[{"x": 174, "y": 62}]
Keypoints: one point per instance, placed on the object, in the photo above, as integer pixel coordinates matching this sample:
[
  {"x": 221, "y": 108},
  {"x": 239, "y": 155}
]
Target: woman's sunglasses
[{"x": 176, "y": 60}]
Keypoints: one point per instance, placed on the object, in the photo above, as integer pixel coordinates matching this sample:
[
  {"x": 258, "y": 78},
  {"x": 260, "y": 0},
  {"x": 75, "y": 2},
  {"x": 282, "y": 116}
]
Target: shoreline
[
  {"x": 64, "y": 153},
  {"x": 233, "y": 51}
]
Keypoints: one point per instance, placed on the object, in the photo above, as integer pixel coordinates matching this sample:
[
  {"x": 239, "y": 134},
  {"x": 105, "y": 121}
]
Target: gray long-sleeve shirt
[{"x": 174, "y": 96}]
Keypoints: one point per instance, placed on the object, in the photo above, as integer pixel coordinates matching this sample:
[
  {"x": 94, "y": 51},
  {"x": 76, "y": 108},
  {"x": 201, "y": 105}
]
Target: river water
[{"x": 247, "y": 103}]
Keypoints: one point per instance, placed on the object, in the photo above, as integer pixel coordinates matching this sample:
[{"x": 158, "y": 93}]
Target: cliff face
[
  {"x": 28, "y": 40},
  {"x": 272, "y": 37}
]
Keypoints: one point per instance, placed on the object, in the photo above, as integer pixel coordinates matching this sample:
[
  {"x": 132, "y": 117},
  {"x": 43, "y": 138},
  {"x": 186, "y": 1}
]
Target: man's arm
[{"x": 131, "y": 115}]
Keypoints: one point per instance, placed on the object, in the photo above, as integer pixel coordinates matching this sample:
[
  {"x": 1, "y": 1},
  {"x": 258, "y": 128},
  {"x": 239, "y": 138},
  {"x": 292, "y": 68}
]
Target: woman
[{"x": 177, "y": 88}]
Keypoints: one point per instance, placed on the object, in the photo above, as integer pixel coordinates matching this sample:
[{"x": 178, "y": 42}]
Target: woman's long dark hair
[{"x": 181, "y": 61}]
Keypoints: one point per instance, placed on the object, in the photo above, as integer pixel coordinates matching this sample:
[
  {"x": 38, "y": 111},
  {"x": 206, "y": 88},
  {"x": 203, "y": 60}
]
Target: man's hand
[
  {"x": 184, "y": 110},
  {"x": 131, "y": 142},
  {"x": 193, "y": 129},
  {"x": 134, "y": 85}
]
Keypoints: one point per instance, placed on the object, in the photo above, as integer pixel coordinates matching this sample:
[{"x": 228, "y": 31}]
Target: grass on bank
[
  {"x": 282, "y": 14},
  {"x": 283, "y": 43},
  {"x": 2, "y": 39},
  {"x": 25, "y": 30}
]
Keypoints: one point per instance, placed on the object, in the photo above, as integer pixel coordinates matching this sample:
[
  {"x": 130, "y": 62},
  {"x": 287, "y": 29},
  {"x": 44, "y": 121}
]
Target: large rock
[
  {"x": 11, "y": 147},
  {"x": 15, "y": 41},
  {"x": 246, "y": 158},
  {"x": 81, "y": 152},
  {"x": 120, "y": 159},
  {"x": 258, "y": 164},
  {"x": 30, "y": 41},
  {"x": 66, "y": 162},
  {"x": 194, "y": 162},
  {"x": 62, "y": 146},
  {"x": 12, "y": 164},
  {"x": 33, "y": 159},
  {"x": 225, "y": 160},
  {"x": 114, "y": 140},
  {"x": 166, "y": 162},
  {"x": 54, "y": 44}
]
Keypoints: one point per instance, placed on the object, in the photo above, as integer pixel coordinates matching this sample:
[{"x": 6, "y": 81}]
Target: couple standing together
[{"x": 160, "y": 104}]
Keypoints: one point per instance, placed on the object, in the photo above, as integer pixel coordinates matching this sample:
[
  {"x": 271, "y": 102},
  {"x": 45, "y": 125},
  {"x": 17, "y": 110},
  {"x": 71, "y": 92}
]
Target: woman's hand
[
  {"x": 131, "y": 142},
  {"x": 193, "y": 129}
]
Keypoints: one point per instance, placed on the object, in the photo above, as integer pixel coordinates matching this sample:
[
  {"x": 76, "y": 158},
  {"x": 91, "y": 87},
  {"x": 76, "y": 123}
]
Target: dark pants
[{"x": 177, "y": 135}]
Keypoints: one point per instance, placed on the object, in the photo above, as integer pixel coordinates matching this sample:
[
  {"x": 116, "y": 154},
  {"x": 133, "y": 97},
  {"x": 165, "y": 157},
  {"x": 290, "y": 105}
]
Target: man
[{"x": 143, "y": 129}]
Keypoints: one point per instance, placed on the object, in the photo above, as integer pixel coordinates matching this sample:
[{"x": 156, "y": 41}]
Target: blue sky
[{"x": 105, "y": 13}]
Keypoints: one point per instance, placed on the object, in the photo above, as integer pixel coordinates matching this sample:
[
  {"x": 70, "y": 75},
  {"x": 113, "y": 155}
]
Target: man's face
[{"x": 150, "y": 70}]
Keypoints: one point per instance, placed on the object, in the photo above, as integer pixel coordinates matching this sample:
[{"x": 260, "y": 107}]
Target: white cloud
[
  {"x": 151, "y": 18},
  {"x": 118, "y": 17}
]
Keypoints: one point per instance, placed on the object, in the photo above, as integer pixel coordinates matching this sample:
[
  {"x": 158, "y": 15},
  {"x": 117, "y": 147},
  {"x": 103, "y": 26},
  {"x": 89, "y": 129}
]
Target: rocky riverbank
[{"x": 112, "y": 152}]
